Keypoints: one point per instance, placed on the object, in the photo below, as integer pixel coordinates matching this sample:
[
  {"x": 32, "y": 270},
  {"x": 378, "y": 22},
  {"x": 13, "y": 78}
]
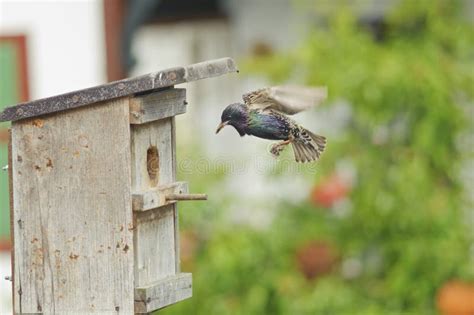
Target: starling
[{"x": 263, "y": 115}]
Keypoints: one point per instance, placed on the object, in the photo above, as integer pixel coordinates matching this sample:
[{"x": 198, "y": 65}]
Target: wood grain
[
  {"x": 154, "y": 229},
  {"x": 72, "y": 212},
  {"x": 175, "y": 205},
  {"x": 154, "y": 134},
  {"x": 156, "y": 197},
  {"x": 154, "y": 245},
  {"x": 185, "y": 197},
  {"x": 12, "y": 225},
  {"x": 164, "y": 292},
  {"x": 157, "y": 105}
]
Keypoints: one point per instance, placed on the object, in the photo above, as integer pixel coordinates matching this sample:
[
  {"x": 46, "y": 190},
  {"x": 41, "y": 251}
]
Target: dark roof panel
[{"x": 144, "y": 83}]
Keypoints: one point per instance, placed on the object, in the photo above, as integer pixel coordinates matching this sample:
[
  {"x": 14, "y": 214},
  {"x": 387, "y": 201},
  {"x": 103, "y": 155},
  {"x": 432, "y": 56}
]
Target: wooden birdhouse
[{"x": 94, "y": 196}]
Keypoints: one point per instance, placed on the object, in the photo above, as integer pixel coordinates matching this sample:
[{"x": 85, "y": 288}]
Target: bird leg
[{"x": 278, "y": 147}]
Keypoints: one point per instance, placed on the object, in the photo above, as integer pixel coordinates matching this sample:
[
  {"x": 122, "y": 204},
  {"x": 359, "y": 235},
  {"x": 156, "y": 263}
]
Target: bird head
[{"x": 235, "y": 115}]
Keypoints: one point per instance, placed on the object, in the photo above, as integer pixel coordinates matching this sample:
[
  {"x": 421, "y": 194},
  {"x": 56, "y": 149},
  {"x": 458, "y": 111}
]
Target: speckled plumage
[
  {"x": 268, "y": 125},
  {"x": 262, "y": 117}
]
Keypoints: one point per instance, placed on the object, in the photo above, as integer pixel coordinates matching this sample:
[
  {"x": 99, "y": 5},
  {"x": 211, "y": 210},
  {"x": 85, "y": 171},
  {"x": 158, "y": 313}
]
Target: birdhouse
[{"x": 93, "y": 196}]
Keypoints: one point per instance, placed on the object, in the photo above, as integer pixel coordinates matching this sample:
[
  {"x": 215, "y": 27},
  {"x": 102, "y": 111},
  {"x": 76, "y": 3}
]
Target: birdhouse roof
[{"x": 116, "y": 89}]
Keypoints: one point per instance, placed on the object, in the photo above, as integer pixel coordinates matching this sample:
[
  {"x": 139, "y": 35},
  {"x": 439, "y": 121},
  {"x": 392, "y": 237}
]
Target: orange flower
[
  {"x": 456, "y": 298},
  {"x": 328, "y": 191},
  {"x": 316, "y": 258}
]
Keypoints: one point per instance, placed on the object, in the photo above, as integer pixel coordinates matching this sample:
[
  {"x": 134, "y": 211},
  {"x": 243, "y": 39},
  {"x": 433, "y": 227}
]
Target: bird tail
[{"x": 309, "y": 147}]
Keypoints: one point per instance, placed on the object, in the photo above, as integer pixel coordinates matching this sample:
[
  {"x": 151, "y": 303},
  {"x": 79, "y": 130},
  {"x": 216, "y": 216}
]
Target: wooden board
[
  {"x": 154, "y": 234},
  {"x": 155, "y": 134},
  {"x": 156, "y": 197},
  {"x": 12, "y": 225},
  {"x": 164, "y": 292},
  {"x": 154, "y": 245},
  {"x": 176, "y": 216},
  {"x": 158, "y": 105},
  {"x": 72, "y": 212}
]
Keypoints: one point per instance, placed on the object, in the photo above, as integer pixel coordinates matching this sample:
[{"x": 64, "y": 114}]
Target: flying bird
[{"x": 263, "y": 115}]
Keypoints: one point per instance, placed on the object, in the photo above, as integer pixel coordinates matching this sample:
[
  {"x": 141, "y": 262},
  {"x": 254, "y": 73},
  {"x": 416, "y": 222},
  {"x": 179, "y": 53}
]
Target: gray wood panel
[
  {"x": 155, "y": 134},
  {"x": 157, "y": 105},
  {"x": 72, "y": 212},
  {"x": 164, "y": 292},
  {"x": 176, "y": 214},
  {"x": 154, "y": 233},
  {"x": 154, "y": 245},
  {"x": 12, "y": 225}
]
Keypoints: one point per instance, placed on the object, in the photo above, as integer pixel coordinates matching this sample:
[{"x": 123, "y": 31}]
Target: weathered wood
[
  {"x": 155, "y": 219},
  {"x": 156, "y": 197},
  {"x": 175, "y": 206},
  {"x": 80, "y": 163},
  {"x": 184, "y": 197},
  {"x": 72, "y": 212},
  {"x": 117, "y": 89},
  {"x": 155, "y": 135},
  {"x": 164, "y": 292},
  {"x": 154, "y": 245},
  {"x": 12, "y": 225},
  {"x": 157, "y": 105}
]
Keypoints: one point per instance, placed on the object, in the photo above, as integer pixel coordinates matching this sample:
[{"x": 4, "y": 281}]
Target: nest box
[{"x": 94, "y": 196}]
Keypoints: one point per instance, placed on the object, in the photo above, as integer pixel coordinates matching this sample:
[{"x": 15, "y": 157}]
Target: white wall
[{"x": 65, "y": 42}]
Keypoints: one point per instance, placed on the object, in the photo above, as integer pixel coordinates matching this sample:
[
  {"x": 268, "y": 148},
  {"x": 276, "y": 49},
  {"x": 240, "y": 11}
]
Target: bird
[{"x": 264, "y": 114}]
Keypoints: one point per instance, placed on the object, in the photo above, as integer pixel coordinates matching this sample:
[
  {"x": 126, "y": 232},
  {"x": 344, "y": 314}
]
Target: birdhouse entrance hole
[{"x": 152, "y": 164}]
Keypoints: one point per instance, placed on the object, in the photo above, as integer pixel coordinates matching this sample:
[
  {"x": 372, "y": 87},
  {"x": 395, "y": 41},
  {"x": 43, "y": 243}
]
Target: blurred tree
[{"x": 409, "y": 88}]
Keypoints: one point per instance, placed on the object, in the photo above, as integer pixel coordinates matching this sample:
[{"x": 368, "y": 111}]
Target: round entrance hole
[{"x": 153, "y": 164}]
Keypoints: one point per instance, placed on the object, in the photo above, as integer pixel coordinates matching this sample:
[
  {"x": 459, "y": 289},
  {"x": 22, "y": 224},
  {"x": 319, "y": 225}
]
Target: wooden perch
[
  {"x": 180, "y": 197},
  {"x": 163, "y": 195}
]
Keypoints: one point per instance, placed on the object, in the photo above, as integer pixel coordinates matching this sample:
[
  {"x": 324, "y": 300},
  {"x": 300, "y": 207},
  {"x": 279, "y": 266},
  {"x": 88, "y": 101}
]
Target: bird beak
[{"x": 221, "y": 125}]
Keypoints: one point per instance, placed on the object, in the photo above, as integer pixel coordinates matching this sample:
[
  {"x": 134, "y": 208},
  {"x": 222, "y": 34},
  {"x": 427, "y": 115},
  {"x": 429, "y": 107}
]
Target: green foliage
[{"x": 407, "y": 207}]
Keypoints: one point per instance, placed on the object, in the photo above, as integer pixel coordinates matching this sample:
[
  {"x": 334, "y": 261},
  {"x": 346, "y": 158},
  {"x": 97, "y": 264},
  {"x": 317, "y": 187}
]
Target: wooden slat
[
  {"x": 156, "y": 197},
  {"x": 155, "y": 245},
  {"x": 72, "y": 212},
  {"x": 157, "y": 105},
  {"x": 155, "y": 134},
  {"x": 163, "y": 293},
  {"x": 175, "y": 205},
  {"x": 154, "y": 234},
  {"x": 12, "y": 225}
]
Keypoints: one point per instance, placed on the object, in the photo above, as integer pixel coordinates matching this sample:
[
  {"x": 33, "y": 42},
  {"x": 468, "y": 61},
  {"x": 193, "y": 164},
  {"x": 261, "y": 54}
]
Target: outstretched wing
[{"x": 288, "y": 99}]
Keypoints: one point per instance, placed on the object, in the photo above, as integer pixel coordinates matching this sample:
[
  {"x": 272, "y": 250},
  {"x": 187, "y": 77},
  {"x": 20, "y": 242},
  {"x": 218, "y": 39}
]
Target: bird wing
[{"x": 288, "y": 99}]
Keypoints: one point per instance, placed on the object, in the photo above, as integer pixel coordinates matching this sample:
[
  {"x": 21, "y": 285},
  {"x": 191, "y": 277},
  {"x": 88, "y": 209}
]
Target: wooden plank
[
  {"x": 208, "y": 69},
  {"x": 12, "y": 225},
  {"x": 156, "y": 135},
  {"x": 72, "y": 212},
  {"x": 157, "y": 105},
  {"x": 175, "y": 205},
  {"x": 156, "y": 197},
  {"x": 117, "y": 89},
  {"x": 154, "y": 245},
  {"x": 153, "y": 229},
  {"x": 164, "y": 292}
]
